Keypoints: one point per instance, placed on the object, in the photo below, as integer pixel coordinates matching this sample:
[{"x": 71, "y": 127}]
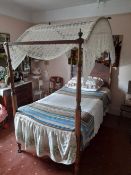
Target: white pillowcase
[
  {"x": 91, "y": 84},
  {"x": 94, "y": 83},
  {"x": 73, "y": 82}
]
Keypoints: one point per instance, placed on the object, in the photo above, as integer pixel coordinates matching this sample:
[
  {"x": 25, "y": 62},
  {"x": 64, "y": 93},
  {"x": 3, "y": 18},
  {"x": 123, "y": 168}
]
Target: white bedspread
[{"x": 58, "y": 144}]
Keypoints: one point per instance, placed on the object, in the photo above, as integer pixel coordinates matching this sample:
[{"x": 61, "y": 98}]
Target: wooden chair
[{"x": 56, "y": 83}]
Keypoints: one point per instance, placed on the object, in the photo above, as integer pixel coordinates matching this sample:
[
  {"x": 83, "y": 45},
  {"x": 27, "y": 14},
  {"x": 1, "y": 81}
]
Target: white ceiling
[
  {"x": 38, "y": 11},
  {"x": 44, "y": 5}
]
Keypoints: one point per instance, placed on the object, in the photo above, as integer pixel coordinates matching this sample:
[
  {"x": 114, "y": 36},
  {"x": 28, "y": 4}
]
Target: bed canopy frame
[{"x": 79, "y": 41}]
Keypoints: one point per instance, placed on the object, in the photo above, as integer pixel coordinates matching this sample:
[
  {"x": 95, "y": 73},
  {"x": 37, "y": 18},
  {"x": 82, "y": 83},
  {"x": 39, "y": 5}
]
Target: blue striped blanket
[{"x": 87, "y": 94}]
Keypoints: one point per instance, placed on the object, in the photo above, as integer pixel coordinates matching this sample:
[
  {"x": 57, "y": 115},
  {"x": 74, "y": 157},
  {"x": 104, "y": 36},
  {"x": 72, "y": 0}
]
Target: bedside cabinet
[
  {"x": 23, "y": 93},
  {"x": 125, "y": 108}
]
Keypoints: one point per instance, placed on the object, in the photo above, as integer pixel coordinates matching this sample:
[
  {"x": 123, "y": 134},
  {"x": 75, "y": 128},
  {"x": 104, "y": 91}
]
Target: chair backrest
[
  {"x": 56, "y": 83},
  {"x": 129, "y": 87}
]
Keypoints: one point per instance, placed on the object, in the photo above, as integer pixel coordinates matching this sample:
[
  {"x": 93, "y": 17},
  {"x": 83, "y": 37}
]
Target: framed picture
[
  {"x": 3, "y": 59},
  {"x": 117, "y": 39},
  {"x": 72, "y": 60}
]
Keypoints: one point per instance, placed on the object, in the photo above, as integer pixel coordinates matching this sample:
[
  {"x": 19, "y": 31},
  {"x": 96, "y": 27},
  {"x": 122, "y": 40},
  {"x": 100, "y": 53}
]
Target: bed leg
[
  {"x": 19, "y": 147},
  {"x": 77, "y": 168},
  {"x": 77, "y": 163}
]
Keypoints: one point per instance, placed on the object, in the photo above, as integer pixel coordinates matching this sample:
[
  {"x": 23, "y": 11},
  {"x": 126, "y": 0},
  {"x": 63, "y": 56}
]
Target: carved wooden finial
[
  {"x": 109, "y": 17},
  {"x": 80, "y": 33}
]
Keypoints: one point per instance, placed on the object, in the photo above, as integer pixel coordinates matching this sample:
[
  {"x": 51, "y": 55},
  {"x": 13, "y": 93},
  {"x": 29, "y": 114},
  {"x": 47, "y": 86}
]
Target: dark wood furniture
[
  {"x": 125, "y": 108},
  {"x": 23, "y": 93}
]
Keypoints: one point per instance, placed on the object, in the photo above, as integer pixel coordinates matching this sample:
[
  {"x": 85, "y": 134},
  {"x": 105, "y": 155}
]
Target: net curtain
[
  {"x": 99, "y": 40},
  {"x": 97, "y": 37}
]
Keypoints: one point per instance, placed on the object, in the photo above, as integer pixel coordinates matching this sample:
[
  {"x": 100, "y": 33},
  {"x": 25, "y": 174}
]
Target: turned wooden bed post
[
  {"x": 78, "y": 90},
  {"x": 13, "y": 94},
  {"x": 78, "y": 106}
]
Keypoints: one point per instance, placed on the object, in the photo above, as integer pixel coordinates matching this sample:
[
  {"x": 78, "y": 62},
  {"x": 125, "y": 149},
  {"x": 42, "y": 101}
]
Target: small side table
[{"x": 127, "y": 109}]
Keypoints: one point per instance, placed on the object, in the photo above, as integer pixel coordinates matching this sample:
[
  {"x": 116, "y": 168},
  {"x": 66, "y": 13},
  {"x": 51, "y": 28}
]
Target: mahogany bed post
[
  {"x": 110, "y": 66},
  {"x": 13, "y": 94},
  {"x": 78, "y": 106},
  {"x": 78, "y": 90}
]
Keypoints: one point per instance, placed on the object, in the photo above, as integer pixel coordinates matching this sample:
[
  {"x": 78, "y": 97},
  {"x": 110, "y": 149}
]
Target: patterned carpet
[{"x": 109, "y": 153}]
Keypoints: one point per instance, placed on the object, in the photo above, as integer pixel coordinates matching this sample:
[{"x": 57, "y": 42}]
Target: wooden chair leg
[
  {"x": 77, "y": 168},
  {"x": 19, "y": 147}
]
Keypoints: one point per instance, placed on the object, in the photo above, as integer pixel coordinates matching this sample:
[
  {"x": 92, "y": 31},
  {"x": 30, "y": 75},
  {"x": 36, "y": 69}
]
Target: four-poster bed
[{"x": 80, "y": 119}]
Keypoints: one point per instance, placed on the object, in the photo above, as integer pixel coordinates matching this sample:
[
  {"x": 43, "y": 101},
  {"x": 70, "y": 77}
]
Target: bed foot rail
[{"x": 19, "y": 147}]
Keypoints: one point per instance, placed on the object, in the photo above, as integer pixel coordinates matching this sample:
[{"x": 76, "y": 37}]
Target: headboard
[{"x": 102, "y": 69}]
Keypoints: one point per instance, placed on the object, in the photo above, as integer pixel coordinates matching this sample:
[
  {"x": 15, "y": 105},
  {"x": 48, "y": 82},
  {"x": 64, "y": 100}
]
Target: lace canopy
[{"x": 97, "y": 37}]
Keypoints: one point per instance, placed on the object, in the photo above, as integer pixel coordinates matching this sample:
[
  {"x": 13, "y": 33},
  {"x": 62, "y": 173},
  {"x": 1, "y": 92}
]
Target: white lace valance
[{"x": 96, "y": 33}]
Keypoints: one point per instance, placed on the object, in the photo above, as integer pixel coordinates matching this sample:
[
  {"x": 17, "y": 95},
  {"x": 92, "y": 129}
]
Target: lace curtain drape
[{"x": 97, "y": 37}]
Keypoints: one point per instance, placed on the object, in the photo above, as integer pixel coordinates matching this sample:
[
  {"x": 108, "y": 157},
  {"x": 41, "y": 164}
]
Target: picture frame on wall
[
  {"x": 4, "y": 37},
  {"x": 117, "y": 39}
]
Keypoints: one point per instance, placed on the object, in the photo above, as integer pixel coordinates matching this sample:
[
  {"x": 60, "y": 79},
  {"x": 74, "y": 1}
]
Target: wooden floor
[{"x": 109, "y": 153}]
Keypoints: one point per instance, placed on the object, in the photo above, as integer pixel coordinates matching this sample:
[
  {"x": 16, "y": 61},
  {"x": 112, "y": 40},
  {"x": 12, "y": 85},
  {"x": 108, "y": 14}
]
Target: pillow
[
  {"x": 83, "y": 89},
  {"x": 93, "y": 83},
  {"x": 73, "y": 82}
]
